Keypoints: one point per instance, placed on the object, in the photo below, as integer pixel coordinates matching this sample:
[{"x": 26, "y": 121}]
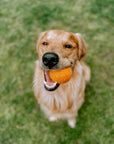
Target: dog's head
[{"x": 58, "y": 49}]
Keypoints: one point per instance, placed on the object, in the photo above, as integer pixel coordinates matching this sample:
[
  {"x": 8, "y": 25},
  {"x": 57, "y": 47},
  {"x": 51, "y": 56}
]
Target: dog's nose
[{"x": 50, "y": 59}]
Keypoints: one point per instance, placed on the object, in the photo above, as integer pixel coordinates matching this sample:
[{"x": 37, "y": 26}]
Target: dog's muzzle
[{"x": 50, "y": 61}]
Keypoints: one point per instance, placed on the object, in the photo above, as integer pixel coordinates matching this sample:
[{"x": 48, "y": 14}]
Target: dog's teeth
[
  {"x": 45, "y": 82},
  {"x": 54, "y": 84}
]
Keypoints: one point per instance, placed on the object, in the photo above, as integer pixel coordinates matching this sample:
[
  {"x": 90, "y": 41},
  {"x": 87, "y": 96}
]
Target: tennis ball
[{"x": 61, "y": 76}]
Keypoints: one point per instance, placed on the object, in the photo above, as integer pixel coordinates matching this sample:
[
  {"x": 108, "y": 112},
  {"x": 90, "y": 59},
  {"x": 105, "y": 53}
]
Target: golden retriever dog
[{"x": 58, "y": 49}]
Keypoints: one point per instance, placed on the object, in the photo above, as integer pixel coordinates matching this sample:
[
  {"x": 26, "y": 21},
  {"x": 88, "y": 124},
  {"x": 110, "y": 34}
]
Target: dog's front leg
[
  {"x": 53, "y": 118},
  {"x": 72, "y": 122}
]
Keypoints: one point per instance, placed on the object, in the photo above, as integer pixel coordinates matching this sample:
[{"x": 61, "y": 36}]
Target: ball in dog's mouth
[{"x": 48, "y": 83}]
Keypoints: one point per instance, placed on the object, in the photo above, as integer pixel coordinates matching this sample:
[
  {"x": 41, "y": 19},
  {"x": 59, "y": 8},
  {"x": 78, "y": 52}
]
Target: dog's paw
[
  {"x": 52, "y": 118},
  {"x": 72, "y": 123}
]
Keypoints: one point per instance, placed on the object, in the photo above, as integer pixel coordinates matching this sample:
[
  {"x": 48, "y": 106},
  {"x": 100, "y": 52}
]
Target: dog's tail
[{"x": 87, "y": 72}]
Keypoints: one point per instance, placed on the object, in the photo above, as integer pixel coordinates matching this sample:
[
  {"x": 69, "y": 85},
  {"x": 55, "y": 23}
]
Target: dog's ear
[
  {"x": 81, "y": 46},
  {"x": 40, "y": 36}
]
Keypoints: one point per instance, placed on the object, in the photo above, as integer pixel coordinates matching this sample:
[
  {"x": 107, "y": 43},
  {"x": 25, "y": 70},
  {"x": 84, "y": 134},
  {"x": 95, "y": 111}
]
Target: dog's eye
[
  {"x": 45, "y": 43},
  {"x": 67, "y": 46}
]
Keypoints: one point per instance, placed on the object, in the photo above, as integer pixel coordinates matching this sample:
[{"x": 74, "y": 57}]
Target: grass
[{"x": 21, "y": 120}]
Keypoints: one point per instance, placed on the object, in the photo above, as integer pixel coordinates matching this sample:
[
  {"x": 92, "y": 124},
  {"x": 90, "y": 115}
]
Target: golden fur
[{"x": 66, "y": 100}]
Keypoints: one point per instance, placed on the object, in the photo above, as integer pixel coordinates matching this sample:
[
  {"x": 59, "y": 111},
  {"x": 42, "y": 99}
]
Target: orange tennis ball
[{"x": 61, "y": 76}]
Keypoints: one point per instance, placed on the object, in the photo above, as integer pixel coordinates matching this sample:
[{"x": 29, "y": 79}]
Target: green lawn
[{"x": 21, "y": 21}]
